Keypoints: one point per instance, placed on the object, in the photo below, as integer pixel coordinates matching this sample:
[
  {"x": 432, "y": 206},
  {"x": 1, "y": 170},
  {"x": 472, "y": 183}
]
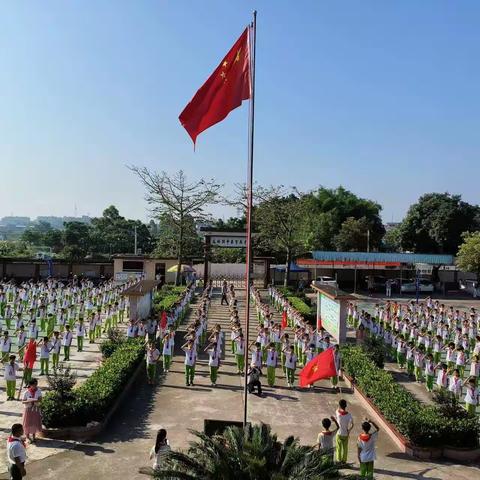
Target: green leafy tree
[
  {"x": 278, "y": 220},
  {"x": 180, "y": 200},
  {"x": 392, "y": 241},
  {"x": 436, "y": 223},
  {"x": 77, "y": 240},
  {"x": 327, "y": 209},
  {"x": 53, "y": 239},
  {"x": 253, "y": 453},
  {"x": 468, "y": 257},
  {"x": 357, "y": 235}
]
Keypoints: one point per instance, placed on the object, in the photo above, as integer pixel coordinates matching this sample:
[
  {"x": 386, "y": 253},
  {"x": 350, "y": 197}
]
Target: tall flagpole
[{"x": 251, "y": 130}]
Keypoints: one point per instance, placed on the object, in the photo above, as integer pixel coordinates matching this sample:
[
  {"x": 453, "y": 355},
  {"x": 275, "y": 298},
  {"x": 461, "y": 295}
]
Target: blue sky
[{"x": 379, "y": 96}]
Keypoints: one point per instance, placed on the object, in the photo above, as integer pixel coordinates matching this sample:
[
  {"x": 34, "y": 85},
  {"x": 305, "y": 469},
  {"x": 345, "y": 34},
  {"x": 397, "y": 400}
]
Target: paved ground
[
  {"x": 83, "y": 363},
  {"x": 124, "y": 447}
]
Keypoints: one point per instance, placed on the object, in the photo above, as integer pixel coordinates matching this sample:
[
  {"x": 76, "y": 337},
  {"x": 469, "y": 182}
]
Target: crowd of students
[
  {"x": 437, "y": 345},
  {"x": 51, "y": 316}
]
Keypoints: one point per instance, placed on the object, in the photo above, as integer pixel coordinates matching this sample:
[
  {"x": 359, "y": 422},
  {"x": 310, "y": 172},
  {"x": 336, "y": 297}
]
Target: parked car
[
  {"x": 375, "y": 282},
  {"x": 424, "y": 286},
  {"x": 324, "y": 280}
]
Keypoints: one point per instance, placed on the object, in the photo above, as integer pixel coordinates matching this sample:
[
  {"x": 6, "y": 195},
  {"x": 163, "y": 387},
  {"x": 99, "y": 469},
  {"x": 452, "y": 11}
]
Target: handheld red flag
[
  {"x": 30, "y": 354},
  {"x": 163, "y": 320},
  {"x": 319, "y": 367},
  {"x": 224, "y": 90}
]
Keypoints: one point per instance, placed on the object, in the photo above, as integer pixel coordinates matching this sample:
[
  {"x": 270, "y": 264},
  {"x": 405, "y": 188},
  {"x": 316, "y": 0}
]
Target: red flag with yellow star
[
  {"x": 319, "y": 367},
  {"x": 224, "y": 91}
]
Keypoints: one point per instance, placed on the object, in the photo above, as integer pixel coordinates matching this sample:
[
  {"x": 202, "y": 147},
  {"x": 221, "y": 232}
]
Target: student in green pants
[
  {"x": 239, "y": 353},
  {"x": 67, "y": 343},
  {"x": 167, "y": 351},
  {"x": 271, "y": 362},
  {"x": 366, "y": 448},
  {"x": 213, "y": 362},
  {"x": 56, "y": 345},
  {"x": 153, "y": 355},
  {"x": 45, "y": 348},
  {"x": 190, "y": 361},
  {"x": 81, "y": 331},
  {"x": 290, "y": 365},
  {"x": 345, "y": 422},
  {"x": 11, "y": 369}
]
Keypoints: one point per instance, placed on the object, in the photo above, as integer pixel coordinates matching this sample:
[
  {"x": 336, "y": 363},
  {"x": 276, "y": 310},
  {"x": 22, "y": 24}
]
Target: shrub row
[
  {"x": 92, "y": 400},
  {"x": 166, "y": 298},
  {"x": 424, "y": 426},
  {"x": 298, "y": 303}
]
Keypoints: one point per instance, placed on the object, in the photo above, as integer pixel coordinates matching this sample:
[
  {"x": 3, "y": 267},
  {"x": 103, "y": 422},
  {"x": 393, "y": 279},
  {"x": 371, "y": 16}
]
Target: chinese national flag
[
  {"x": 320, "y": 367},
  {"x": 224, "y": 91},
  {"x": 163, "y": 320},
  {"x": 284, "y": 319}
]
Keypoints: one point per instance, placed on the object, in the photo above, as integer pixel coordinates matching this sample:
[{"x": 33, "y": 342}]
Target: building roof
[
  {"x": 141, "y": 288},
  {"x": 372, "y": 257},
  {"x": 333, "y": 293}
]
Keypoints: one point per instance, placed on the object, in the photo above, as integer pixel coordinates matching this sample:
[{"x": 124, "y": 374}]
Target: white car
[
  {"x": 423, "y": 286},
  {"x": 324, "y": 280}
]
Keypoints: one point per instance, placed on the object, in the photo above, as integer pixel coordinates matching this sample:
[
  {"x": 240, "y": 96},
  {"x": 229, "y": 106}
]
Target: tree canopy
[{"x": 468, "y": 257}]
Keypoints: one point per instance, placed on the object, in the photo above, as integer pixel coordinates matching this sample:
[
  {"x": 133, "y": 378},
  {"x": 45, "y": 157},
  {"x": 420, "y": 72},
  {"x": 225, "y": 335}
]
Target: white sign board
[
  {"x": 331, "y": 314},
  {"x": 228, "y": 241}
]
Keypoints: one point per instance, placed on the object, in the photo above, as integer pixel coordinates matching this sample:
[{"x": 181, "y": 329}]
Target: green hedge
[
  {"x": 166, "y": 298},
  {"x": 92, "y": 400},
  {"x": 298, "y": 303},
  {"x": 425, "y": 426}
]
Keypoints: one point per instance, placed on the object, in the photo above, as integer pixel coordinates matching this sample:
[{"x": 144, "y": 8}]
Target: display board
[{"x": 331, "y": 315}]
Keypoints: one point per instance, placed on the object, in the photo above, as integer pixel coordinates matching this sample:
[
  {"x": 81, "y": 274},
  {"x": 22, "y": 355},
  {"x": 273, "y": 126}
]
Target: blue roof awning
[{"x": 370, "y": 257}]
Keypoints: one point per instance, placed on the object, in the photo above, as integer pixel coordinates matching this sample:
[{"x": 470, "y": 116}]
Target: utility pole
[
  {"x": 135, "y": 247},
  {"x": 368, "y": 240}
]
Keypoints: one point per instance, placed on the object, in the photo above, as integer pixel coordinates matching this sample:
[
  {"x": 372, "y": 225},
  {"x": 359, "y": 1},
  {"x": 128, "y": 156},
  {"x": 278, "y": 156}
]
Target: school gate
[{"x": 232, "y": 272}]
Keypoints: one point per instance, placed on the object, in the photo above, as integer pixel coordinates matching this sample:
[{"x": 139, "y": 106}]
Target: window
[{"x": 131, "y": 266}]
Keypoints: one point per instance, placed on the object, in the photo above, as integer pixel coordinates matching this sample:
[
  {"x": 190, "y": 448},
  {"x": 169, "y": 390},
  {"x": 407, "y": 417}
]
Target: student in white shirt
[
  {"x": 45, "y": 348},
  {"x": 290, "y": 365},
  {"x": 190, "y": 361},
  {"x": 16, "y": 453},
  {"x": 81, "y": 333},
  {"x": 56, "y": 345},
  {"x": 167, "y": 351},
  {"x": 326, "y": 437},
  {"x": 67, "y": 342},
  {"x": 5, "y": 346},
  {"x": 471, "y": 396},
  {"x": 271, "y": 362},
  {"x": 11, "y": 369},
  {"x": 153, "y": 355},
  {"x": 345, "y": 422},
  {"x": 132, "y": 329},
  {"x": 213, "y": 362},
  {"x": 366, "y": 448}
]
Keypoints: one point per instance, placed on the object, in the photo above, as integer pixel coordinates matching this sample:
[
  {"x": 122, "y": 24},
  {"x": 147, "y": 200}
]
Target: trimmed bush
[
  {"x": 166, "y": 298},
  {"x": 424, "y": 426},
  {"x": 92, "y": 400}
]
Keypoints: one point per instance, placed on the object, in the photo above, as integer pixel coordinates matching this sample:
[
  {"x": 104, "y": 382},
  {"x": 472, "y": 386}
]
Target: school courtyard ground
[{"x": 123, "y": 448}]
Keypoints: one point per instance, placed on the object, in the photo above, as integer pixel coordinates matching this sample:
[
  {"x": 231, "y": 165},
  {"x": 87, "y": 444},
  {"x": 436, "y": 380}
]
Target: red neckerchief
[
  {"x": 327, "y": 433},
  {"x": 32, "y": 391},
  {"x": 364, "y": 437},
  {"x": 12, "y": 439},
  {"x": 342, "y": 412}
]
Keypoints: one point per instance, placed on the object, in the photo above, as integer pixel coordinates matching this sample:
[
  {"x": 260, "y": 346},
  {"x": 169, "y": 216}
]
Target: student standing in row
[
  {"x": 190, "y": 362},
  {"x": 345, "y": 422},
  {"x": 153, "y": 355},
  {"x": 366, "y": 448},
  {"x": 325, "y": 438},
  {"x": 11, "y": 369},
  {"x": 67, "y": 343}
]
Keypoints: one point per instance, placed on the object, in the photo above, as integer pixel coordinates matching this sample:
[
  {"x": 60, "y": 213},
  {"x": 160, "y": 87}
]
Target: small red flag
[
  {"x": 163, "y": 320},
  {"x": 319, "y": 367},
  {"x": 30, "y": 354},
  {"x": 224, "y": 91}
]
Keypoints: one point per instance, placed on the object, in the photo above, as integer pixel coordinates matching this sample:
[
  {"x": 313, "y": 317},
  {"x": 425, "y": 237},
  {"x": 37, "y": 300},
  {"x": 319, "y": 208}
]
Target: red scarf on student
[
  {"x": 342, "y": 412},
  {"x": 32, "y": 391},
  {"x": 12, "y": 439},
  {"x": 364, "y": 437}
]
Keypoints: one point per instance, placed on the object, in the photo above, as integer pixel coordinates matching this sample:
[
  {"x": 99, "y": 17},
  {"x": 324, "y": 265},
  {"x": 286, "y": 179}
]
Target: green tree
[
  {"x": 77, "y": 240},
  {"x": 253, "y": 453},
  {"x": 392, "y": 241},
  {"x": 357, "y": 235},
  {"x": 180, "y": 200},
  {"x": 53, "y": 239},
  {"x": 327, "y": 209},
  {"x": 168, "y": 234},
  {"x": 436, "y": 223},
  {"x": 278, "y": 220},
  {"x": 468, "y": 257},
  {"x": 113, "y": 233}
]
